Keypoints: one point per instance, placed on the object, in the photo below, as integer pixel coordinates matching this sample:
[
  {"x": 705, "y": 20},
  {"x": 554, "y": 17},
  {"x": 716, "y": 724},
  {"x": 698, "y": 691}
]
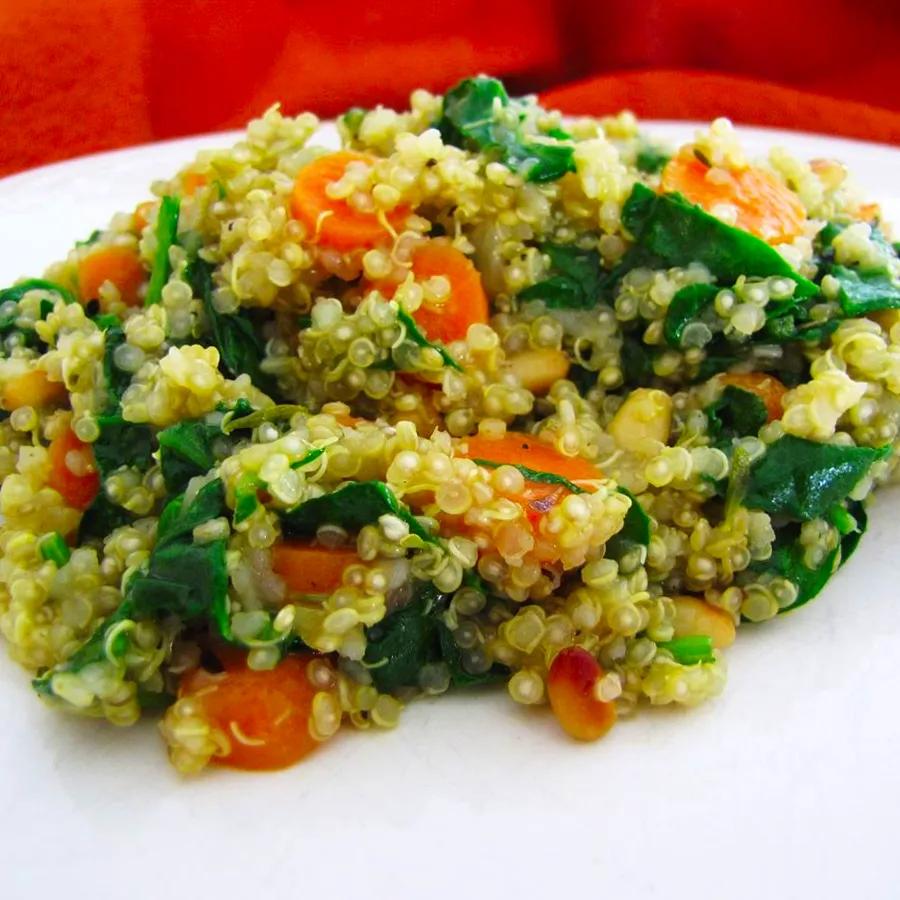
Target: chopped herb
[
  {"x": 166, "y": 233},
  {"x": 92, "y": 238},
  {"x": 18, "y": 291},
  {"x": 185, "y": 451},
  {"x": 690, "y": 650},
  {"x": 414, "y": 333},
  {"x": 246, "y": 496},
  {"x": 54, "y": 548},
  {"x": 247, "y": 417},
  {"x": 534, "y": 475}
]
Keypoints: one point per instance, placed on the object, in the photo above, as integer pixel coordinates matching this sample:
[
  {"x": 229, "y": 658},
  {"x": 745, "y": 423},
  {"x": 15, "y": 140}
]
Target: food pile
[{"x": 485, "y": 396}]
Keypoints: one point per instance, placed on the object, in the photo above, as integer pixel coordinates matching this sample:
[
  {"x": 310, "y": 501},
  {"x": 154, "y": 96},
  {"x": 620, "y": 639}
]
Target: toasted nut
[
  {"x": 643, "y": 421},
  {"x": 539, "y": 370},
  {"x": 696, "y": 616}
]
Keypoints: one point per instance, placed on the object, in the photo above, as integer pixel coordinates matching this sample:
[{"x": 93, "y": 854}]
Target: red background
[{"x": 83, "y": 75}]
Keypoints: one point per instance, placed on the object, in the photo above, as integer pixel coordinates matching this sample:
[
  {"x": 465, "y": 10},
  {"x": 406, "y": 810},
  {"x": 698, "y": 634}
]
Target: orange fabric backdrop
[{"x": 93, "y": 74}]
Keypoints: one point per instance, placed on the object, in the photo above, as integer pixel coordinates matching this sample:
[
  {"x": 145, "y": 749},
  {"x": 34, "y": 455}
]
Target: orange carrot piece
[
  {"x": 767, "y": 387},
  {"x": 467, "y": 302},
  {"x": 141, "y": 215},
  {"x": 120, "y": 265},
  {"x": 265, "y": 715},
  {"x": 33, "y": 388},
  {"x": 310, "y": 569},
  {"x": 335, "y": 223},
  {"x": 765, "y": 206},
  {"x": 517, "y": 449},
  {"x": 73, "y": 472},
  {"x": 571, "y": 689},
  {"x": 191, "y": 182}
]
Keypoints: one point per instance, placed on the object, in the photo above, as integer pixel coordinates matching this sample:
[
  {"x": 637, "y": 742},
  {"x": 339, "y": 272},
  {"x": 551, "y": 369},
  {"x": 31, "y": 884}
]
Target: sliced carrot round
[
  {"x": 466, "y": 303},
  {"x": 265, "y": 715},
  {"x": 767, "y": 387},
  {"x": 73, "y": 472},
  {"x": 335, "y": 223},
  {"x": 33, "y": 388},
  {"x": 141, "y": 215},
  {"x": 517, "y": 449},
  {"x": 765, "y": 206},
  {"x": 120, "y": 265},
  {"x": 311, "y": 569}
]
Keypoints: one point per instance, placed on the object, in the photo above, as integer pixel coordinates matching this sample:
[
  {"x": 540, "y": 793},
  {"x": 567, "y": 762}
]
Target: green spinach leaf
[
  {"x": 737, "y": 413},
  {"x": 576, "y": 282},
  {"x": 862, "y": 293},
  {"x": 635, "y": 531},
  {"x": 803, "y": 479},
  {"x": 352, "y": 506},
  {"x": 651, "y": 158},
  {"x": 233, "y": 335},
  {"x": 675, "y": 232},
  {"x": 469, "y": 120}
]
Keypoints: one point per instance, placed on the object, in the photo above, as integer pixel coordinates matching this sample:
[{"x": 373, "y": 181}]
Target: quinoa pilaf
[{"x": 485, "y": 396}]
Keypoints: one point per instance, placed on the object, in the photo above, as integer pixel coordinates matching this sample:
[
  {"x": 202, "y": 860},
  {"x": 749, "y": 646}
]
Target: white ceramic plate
[{"x": 785, "y": 787}]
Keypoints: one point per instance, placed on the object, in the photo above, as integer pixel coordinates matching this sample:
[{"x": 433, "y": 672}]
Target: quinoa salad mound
[{"x": 488, "y": 396}]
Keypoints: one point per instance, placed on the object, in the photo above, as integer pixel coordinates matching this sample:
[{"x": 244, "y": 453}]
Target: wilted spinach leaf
[
  {"x": 352, "y": 506},
  {"x": 737, "y": 413},
  {"x": 469, "y": 120},
  {"x": 240, "y": 348},
  {"x": 862, "y": 293},
  {"x": 575, "y": 282},
  {"x": 674, "y": 232},
  {"x": 803, "y": 479},
  {"x": 651, "y": 158},
  {"x": 635, "y": 531}
]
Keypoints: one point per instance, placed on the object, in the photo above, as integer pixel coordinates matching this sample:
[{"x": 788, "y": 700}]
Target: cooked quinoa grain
[{"x": 484, "y": 396}]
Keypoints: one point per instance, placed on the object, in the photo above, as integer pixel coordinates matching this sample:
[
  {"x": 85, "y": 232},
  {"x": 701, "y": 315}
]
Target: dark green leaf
[
  {"x": 802, "y": 479},
  {"x": 686, "y": 307},
  {"x": 352, "y": 506},
  {"x": 246, "y": 497},
  {"x": 117, "y": 380},
  {"x": 166, "y": 234},
  {"x": 576, "y": 281},
  {"x": 651, "y": 159},
  {"x": 404, "y": 641},
  {"x": 240, "y": 348},
  {"x": 737, "y": 413},
  {"x": 185, "y": 451},
  {"x": 635, "y": 529},
  {"x": 18, "y": 291},
  {"x": 92, "y": 238},
  {"x": 122, "y": 443},
  {"x": 678, "y": 233},
  {"x": 101, "y": 518},
  {"x": 862, "y": 293},
  {"x": 690, "y": 650},
  {"x": 460, "y": 677},
  {"x": 469, "y": 120}
]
